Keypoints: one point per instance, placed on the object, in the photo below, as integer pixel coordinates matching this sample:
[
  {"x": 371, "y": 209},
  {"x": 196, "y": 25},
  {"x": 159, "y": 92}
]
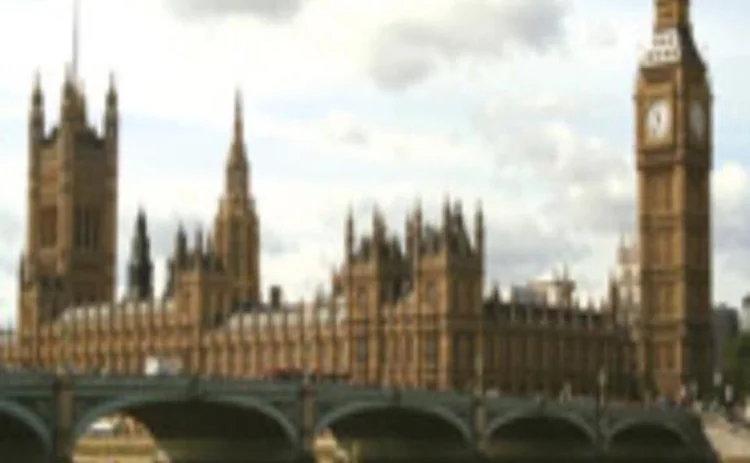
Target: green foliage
[{"x": 737, "y": 361}]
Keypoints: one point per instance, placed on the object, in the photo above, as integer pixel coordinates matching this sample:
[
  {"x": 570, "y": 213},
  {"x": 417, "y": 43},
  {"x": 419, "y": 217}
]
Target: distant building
[
  {"x": 746, "y": 313},
  {"x": 726, "y": 326},
  {"x": 555, "y": 290},
  {"x": 627, "y": 278}
]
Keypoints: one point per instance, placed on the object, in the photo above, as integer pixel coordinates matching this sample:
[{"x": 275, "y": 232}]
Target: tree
[{"x": 737, "y": 362}]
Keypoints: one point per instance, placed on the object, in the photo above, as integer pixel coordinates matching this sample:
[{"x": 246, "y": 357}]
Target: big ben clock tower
[{"x": 674, "y": 160}]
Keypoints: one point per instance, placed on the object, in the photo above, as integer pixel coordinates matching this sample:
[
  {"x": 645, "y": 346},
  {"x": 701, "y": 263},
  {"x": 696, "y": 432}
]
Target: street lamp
[
  {"x": 479, "y": 367},
  {"x": 307, "y": 361},
  {"x": 601, "y": 386},
  {"x": 718, "y": 380},
  {"x": 693, "y": 393},
  {"x": 601, "y": 382}
]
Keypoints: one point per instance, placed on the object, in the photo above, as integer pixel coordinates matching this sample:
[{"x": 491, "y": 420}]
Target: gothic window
[
  {"x": 234, "y": 247},
  {"x": 78, "y": 227},
  {"x": 656, "y": 248},
  {"x": 385, "y": 295},
  {"x": 250, "y": 256},
  {"x": 468, "y": 297},
  {"x": 398, "y": 289},
  {"x": 96, "y": 225},
  {"x": 431, "y": 291},
  {"x": 431, "y": 348},
  {"x": 362, "y": 350},
  {"x": 362, "y": 298},
  {"x": 668, "y": 193},
  {"x": 86, "y": 226},
  {"x": 48, "y": 226}
]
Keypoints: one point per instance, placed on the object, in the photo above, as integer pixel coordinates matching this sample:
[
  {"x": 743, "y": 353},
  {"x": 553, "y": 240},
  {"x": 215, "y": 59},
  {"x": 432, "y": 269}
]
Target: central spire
[
  {"x": 237, "y": 156},
  {"x": 237, "y": 164}
]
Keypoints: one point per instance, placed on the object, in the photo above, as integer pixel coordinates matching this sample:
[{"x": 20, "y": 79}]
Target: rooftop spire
[
  {"x": 238, "y": 122},
  {"x": 140, "y": 267},
  {"x": 76, "y": 25}
]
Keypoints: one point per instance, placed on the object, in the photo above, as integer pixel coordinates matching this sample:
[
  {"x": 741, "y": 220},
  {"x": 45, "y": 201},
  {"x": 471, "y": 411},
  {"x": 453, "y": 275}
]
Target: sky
[{"x": 524, "y": 105}]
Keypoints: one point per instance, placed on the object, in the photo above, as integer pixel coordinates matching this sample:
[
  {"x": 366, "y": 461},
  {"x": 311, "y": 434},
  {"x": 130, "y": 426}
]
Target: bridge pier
[
  {"x": 479, "y": 422},
  {"x": 64, "y": 440},
  {"x": 308, "y": 418}
]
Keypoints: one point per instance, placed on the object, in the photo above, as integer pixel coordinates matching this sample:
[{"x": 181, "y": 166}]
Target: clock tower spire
[
  {"x": 674, "y": 160},
  {"x": 672, "y": 14}
]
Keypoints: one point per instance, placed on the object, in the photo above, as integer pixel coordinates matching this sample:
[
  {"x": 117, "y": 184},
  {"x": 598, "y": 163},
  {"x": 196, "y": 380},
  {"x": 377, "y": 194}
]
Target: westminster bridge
[{"x": 207, "y": 420}]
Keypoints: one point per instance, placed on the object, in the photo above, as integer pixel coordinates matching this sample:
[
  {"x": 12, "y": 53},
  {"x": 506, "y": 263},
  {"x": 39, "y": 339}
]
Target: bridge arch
[
  {"x": 28, "y": 419},
  {"x": 357, "y": 408},
  {"x": 648, "y": 425},
  {"x": 571, "y": 419},
  {"x": 130, "y": 401}
]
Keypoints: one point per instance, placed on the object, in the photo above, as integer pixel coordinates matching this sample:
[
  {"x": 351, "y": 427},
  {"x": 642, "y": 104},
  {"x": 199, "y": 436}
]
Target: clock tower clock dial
[
  {"x": 673, "y": 107},
  {"x": 658, "y": 120}
]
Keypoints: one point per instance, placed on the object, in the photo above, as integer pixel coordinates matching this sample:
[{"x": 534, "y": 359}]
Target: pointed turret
[
  {"x": 73, "y": 102},
  {"x": 111, "y": 114},
  {"x": 446, "y": 224},
  {"x": 378, "y": 226},
  {"x": 36, "y": 113},
  {"x": 237, "y": 164},
  {"x": 238, "y": 139},
  {"x": 479, "y": 230},
  {"x": 614, "y": 298},
  {"x": 37, "y": 96},
  {"x": 418, "y": 229},
  {"x": 199, "y": 243},
  {"x": 140, "y": 267},
  {"x": 180, "y": 244},
  {"x": 458, "y": 215},
  {"x": 349, "y": 234}
]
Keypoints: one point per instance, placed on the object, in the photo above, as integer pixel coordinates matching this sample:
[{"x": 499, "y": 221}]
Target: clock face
[
  {"x": 658, "y": 120},
  {"x": 697, "y": 120}
]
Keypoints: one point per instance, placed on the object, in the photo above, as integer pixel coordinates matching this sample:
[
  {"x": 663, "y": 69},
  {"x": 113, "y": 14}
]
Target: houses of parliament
[{"x": 410, "y": 312}]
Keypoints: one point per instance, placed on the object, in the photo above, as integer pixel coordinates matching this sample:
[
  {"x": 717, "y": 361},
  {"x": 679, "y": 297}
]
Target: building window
[
  {"x": 78, "y": 227},
  {"x": 431, "y": 348},
  {"x": 95, "y": 223},
  {"x": 431, "y": 291},
  {"x": 48, "y": 226},
  {"x": 362, "y": 298},
  {"x": 362, "y": 350},
  {"x": 234, "y": 247}
]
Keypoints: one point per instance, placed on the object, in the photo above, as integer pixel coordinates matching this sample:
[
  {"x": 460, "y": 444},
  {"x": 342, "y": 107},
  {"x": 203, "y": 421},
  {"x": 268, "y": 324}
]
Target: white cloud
[
  {"x": 273, "y": 10},
  {"x": 409, "y": 49},
  {"x": 479, "y": 117}
]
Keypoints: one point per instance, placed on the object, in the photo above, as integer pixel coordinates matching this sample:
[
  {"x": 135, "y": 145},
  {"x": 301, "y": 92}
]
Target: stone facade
[
  {"x": 409, "y": 313},
  {"x": 673, "y": 111}
]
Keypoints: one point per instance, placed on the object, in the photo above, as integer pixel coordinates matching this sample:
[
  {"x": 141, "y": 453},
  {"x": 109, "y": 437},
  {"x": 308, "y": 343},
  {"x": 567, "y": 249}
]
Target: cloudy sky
[{"x": 522, "y": 104}]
